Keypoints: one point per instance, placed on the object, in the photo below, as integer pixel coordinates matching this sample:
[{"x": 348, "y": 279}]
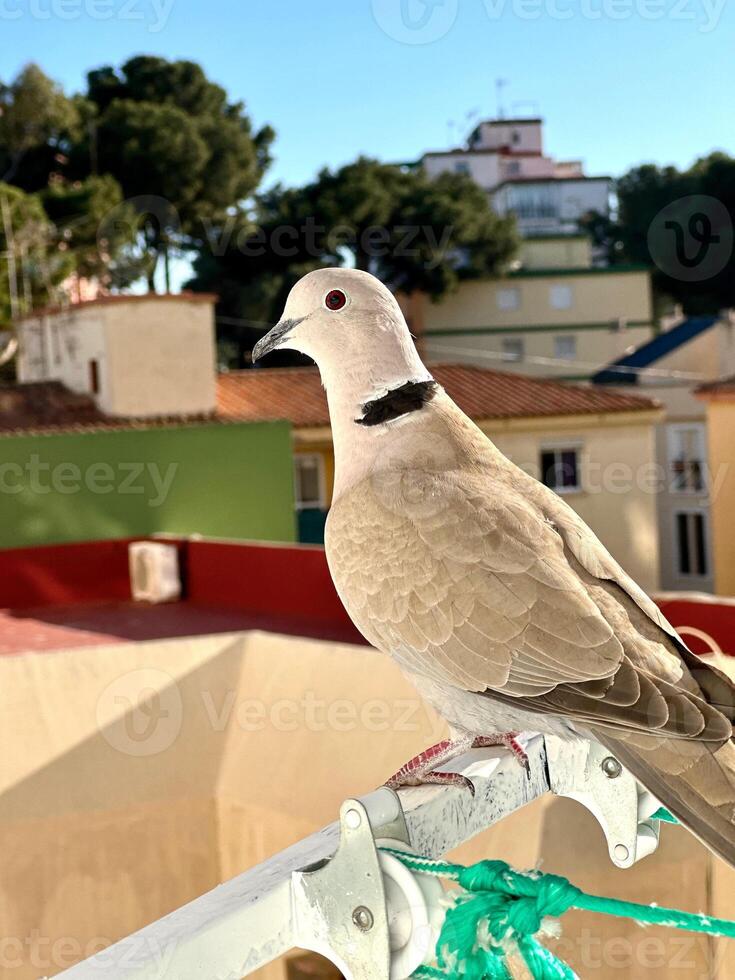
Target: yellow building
[
  {"x": 565, "y": 321},
  {"x": 594, "y": 446},
  {"x": 720, "y": 401}
]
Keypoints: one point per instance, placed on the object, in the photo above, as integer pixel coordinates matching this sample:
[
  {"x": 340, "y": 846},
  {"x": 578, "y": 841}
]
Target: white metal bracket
[
  {"x": 339, "y": 907},
  {"x": 588, "y": 773}
]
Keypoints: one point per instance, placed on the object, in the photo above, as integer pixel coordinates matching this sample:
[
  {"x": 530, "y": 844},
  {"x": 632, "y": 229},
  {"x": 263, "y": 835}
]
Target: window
[
  {"x": 560, "y": 297},
  {"x": 513, "y": 168},
  {"x": 509, "y": 298},
  {"x": 309, "y": 479},
  {"x": 513, "y": 349},
  {"x": 565, "y": 347},
  {"x": 462, "y": 167},
  {"x": 560, "y": 469},
  {"x": 691, "y": 543},
  {"x": 94, "y": 377},
  {"x": 686, "y": 458}
]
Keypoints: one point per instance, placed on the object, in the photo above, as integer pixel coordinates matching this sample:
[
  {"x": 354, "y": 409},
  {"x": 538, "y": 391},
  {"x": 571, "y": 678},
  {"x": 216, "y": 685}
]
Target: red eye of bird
[{"x": 335, "y": 299}]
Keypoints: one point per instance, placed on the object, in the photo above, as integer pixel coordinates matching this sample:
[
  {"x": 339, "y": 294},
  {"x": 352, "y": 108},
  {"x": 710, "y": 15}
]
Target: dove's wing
[
  {"x": 472, "y": 586},
  {"x": 595, "y": 558}
]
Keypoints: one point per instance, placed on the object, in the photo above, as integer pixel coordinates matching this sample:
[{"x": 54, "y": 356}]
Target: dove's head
[{"x": 352, "y": 326}]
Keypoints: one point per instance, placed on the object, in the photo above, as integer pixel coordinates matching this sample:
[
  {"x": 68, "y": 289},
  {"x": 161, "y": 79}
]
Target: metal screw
[
  {"x": 611, "y": 767},
  {"x": 353, "y": 819},
  {"x": 363, "y": 918}
]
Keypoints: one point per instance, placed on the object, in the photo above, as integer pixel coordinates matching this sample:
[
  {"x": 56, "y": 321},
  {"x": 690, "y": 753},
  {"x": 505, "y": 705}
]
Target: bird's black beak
[{"x": 275, "y": 338}]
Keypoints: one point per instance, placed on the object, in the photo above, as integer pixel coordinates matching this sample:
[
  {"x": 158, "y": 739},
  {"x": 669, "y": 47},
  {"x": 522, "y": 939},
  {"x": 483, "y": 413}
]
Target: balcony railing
[{"x": 328, "y": 892}]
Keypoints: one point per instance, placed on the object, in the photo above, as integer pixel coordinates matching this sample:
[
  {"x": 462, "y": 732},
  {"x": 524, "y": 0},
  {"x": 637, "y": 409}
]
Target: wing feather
[{"x": 491, "y": 602}]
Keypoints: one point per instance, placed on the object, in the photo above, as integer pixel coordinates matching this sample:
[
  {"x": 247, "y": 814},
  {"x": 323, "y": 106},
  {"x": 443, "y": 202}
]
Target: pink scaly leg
[{"x": 421, "y": 770}]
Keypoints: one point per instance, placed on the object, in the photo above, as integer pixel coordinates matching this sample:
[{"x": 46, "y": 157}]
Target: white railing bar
[{"x": 245, "y": 923}]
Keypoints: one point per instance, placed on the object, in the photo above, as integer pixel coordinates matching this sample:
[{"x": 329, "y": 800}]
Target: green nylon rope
[
  {"x": 663, "y": 815},
  {"x": 497, "y": 907}
]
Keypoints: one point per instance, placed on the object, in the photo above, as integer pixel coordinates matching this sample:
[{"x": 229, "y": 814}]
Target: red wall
[
  {"x": 714, "y": 617},
  {"x": 271, "y": 582},
  {"x": 268, "y": 581},
  {"x": 67, "y": 574}
]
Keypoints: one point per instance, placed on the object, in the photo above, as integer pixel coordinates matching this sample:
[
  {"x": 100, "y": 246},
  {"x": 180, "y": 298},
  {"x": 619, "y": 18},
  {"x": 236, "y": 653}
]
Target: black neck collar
[{"x": 408, "y": 397}]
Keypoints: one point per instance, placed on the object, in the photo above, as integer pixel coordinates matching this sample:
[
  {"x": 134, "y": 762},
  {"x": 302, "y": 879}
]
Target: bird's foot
[{"x": 422, "y": 769}]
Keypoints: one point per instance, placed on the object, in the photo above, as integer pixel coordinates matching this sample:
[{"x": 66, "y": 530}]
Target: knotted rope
[{"x": 498, "y": 910}]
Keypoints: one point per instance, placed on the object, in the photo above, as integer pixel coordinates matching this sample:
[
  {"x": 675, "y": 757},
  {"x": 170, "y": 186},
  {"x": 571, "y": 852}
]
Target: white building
[
  {"x": 137, "y": 356},
  {"x": 507, "y": 159}
]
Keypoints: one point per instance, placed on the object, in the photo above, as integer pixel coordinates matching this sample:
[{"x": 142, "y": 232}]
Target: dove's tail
[{"x": 694, "y": 780}]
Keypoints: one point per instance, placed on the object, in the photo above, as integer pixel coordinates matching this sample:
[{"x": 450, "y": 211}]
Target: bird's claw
[
  {"x": 432, "y": 779},
  {"x": 422, "y": 770}
]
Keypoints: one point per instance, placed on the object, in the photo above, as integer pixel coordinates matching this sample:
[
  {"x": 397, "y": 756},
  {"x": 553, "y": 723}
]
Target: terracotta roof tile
[
  {"x": 45, "y": 407},
  {"x": 296, "y": 394},
  {"x": 725, "y": 386}
]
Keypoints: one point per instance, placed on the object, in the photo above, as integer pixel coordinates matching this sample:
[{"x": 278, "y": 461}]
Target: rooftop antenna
[
  {"x": 500, "y": 84},
  {"x": 470, "y": 116}
]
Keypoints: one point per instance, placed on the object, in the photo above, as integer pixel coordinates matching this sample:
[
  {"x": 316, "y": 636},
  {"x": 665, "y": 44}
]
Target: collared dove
[{"x": 492, "y": 594}]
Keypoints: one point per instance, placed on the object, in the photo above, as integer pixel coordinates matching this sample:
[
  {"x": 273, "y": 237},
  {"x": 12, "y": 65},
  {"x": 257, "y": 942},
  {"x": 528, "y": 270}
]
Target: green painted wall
[{"x": 217, "y": 480}]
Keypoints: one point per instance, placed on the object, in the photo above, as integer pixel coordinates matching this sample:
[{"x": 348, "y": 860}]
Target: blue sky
[{"x": 618, "y": 81}]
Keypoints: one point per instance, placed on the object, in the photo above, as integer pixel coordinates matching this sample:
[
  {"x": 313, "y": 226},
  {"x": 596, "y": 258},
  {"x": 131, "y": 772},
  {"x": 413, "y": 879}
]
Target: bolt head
[
  {"x": 363, "y": 918},
  {"x": 611, "y": 767},
  {"x": 353, "y": 819}
]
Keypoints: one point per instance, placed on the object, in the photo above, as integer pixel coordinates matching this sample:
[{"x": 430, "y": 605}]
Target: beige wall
[
  {"x": 564, "y": 252},
  {"x": 593, "y": 350},
  {"x": 672, "y": 380},
  {"x": 721, "y": 439},
  {"x": 598, "y": 297},
  {"x": 484, "y": 168},
  {"x": 681, "y": 407},
  {"x": 155, "y": 355},
  {"x": 60, "y": 346},
  {"x": 161, "y": 358},
  {"x": 469, "y": 326},
  {"x": 112, "y": 816},
  {"x": 709, "y": 356},
  {"x": 615, "y": 497}
]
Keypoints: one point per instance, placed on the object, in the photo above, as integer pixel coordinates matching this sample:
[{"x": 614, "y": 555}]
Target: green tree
[
  {"x": 35, "y": 121},
  {"x": 97, "y": 228},
  {"x": 413, "y": 232},
  {"x": 653, "y": 201},
  {"x": 32, "y": 263},
  {"x": 184, "y": 156}
]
